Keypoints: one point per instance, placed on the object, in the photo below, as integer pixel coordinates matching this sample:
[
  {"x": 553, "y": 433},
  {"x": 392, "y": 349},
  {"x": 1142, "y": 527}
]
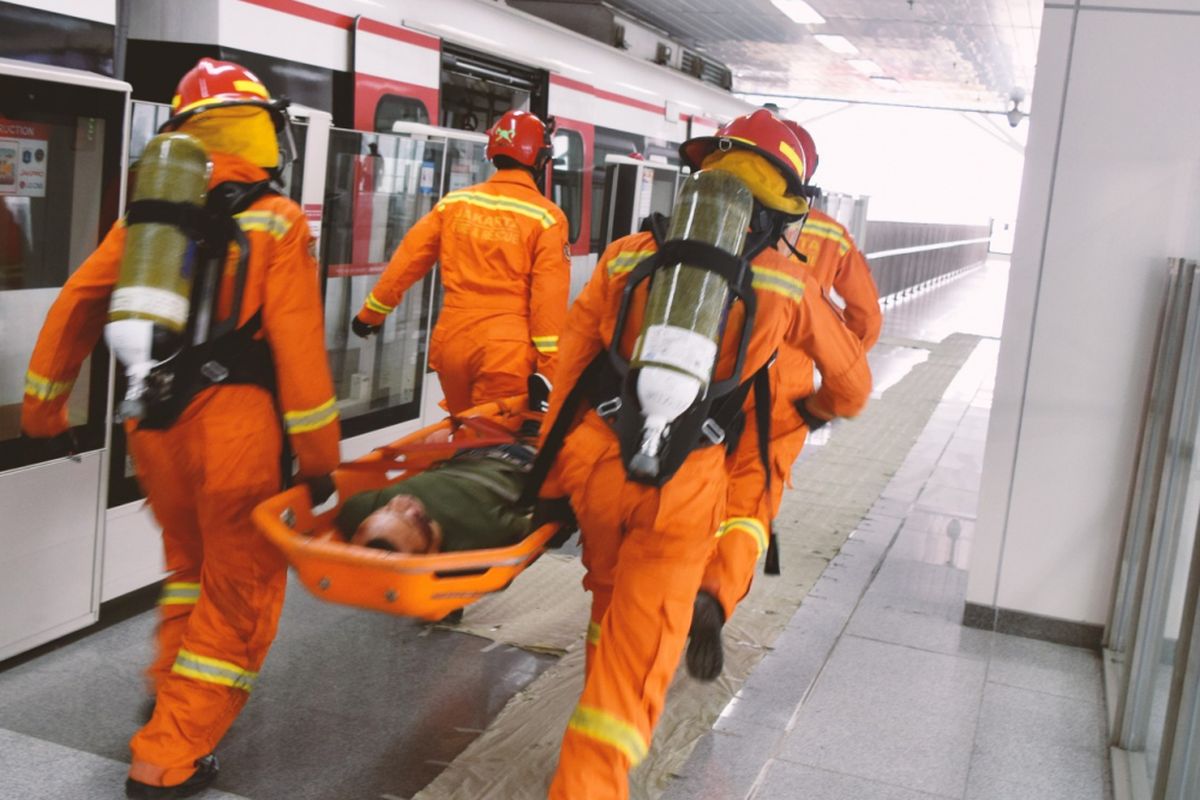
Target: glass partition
[
  {"x": 60, "y": 157},
  {"x": 1152, "y": 628},
  {"x": 377, "y": 187}
]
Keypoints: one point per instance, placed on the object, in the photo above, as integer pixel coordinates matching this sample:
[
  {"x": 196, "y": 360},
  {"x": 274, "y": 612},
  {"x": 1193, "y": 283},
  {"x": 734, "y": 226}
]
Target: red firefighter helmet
[
  {"x": 220, "y": 84},
  {"x": 760, "y": 132},
  {"x": 521, "y": 136},
  {"x": 810, "y": 148}
]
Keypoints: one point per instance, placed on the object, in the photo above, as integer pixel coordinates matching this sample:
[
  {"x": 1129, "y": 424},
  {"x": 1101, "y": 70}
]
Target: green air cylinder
[
  {"x": 676, "y": 350},
  {"x": 148, "y": 312},
  {"x": 156, "y": 269}
]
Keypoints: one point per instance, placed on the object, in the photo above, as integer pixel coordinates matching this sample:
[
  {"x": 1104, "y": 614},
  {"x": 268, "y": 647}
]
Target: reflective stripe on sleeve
[
  {"x": 264, "y": 222},
  {"x": 213, "y": 670},
  {"x": 312, "y": 418},
  {"x": 499, "y": 203},
  {"x": 179, "y": 594},
  {"x": 608, "y": 729},
  {"x": 748, "y": 525},
  {"x": 823, "y": 230},
  {"x": 626, "y": 261},
  {"x": 593, "y": 633},
  {"x": 546, "y": 344},
  {"x": 373, "y": 304},
  {"x": 772, "y": 280},
  {"x": 42, "y": 388}
]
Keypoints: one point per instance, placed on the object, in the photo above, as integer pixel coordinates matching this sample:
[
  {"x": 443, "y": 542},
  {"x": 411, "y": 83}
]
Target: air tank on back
[
  {"x": 677, "y": 348},
  {"x": 148, "y": 312}
]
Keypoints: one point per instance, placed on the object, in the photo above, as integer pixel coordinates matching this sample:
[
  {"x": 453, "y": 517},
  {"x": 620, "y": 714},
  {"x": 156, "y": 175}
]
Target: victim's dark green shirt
[{"x": 473, "y": 496}]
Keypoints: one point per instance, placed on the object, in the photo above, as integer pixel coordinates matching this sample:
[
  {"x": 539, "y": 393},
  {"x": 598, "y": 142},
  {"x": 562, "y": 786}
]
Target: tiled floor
[{"x": 875, "y": 691}]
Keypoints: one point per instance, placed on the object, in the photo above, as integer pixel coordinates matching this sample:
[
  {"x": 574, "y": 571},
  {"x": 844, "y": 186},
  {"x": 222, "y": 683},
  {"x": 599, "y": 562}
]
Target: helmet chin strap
[{"x": 766, "y": 228}]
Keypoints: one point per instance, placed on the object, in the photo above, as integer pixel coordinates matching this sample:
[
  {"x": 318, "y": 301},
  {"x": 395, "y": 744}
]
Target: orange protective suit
[
  {"x": 506, "y": 270},
  {"x": 645, "y": 548},
  {"x": 833, "y": 262},
  {"x": 202, "y": 476}
]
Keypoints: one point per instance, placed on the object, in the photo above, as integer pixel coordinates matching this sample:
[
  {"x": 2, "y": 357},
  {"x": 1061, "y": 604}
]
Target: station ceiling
[{"x": 967, "y": 54}]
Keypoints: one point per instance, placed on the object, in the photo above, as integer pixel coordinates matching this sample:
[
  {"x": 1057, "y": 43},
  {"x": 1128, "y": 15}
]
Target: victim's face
[{"x": 402, "y": 525}]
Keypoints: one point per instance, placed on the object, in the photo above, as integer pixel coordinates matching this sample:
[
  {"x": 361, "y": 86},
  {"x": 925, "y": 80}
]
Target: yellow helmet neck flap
[
  {"x": 243, "y": 131},
  {"x": 764, "y": 181}
]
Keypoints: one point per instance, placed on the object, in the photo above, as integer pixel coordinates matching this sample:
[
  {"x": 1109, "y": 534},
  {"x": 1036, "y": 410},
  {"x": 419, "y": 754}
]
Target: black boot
[
  {"x": 705, "y": 654},
  {"x": 206, "y": 772}
]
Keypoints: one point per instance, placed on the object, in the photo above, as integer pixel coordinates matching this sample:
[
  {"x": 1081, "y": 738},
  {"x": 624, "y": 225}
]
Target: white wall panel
[
  {"x": 194, "y": 21},
  {"x": 1126, "y": 196},
  {"x": 97, "y": 10},
  {"x": 241, "y": 25},
  {"x": 1000, "y": 454},
  {"x": 388, "y": 58},
  {"x": 133, "y": 551},
  {"x": 1144, "y": 5},
  {"x": 48, "y": 567}
]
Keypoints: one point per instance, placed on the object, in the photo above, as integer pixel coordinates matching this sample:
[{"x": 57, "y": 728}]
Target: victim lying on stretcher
[{"x": 468, "y": 502}]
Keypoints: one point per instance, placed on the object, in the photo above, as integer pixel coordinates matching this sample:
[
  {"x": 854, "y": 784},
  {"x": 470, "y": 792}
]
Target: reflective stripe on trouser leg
[
  {"x": 665, "y": 545},
  {"x": 731, "y": 570},
  {"x": 233, "y": 445}
]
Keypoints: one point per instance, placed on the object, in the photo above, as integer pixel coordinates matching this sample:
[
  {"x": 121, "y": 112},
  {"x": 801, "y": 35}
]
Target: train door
[
  {"x": 378, "y": 185},
  {"x": 570, "y": 191},
  {"x": 62, "y": 156},
  {"x": 477, "y": 88},
  {"x": 635, "y": 189}
]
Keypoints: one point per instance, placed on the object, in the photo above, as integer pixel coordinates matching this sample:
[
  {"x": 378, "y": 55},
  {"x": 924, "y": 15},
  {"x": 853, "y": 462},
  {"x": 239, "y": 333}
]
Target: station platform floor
[{"x": 870, "y": 689}]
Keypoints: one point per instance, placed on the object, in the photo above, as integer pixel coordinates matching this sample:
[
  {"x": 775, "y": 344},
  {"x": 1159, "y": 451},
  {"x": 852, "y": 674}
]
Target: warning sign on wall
[{"x": 24, "y": 155}]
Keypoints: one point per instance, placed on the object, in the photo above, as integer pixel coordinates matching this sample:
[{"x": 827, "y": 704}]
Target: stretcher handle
[{"x": 408, "y": 457}]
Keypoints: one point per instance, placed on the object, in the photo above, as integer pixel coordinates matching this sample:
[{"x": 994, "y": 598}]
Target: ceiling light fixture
[
  {"x": 866, "y": 66},
  {"x": 799, "y": 11},
  {"x": 887, "y": 83},
  {"x": 838, "y": 44}
]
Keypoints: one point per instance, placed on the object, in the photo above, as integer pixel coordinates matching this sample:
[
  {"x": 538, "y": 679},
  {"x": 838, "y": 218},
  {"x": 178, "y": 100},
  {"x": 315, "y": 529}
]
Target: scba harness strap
[
  {"x": 219, "y": 353},
  {"x": 715, "y": 419}
]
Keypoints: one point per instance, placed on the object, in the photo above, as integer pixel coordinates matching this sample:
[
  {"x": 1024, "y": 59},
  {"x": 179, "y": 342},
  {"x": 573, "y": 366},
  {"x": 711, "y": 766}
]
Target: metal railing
[{"x": 905, "y": 256}]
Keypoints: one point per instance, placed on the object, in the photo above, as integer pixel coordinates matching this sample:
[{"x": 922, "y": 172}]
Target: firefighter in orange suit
[
  {"x": 207, "y": 468},
  {"x": 833, "y": 262},
  {"x": 506, "y": 271},
  {"x": 645, "y": 548}
]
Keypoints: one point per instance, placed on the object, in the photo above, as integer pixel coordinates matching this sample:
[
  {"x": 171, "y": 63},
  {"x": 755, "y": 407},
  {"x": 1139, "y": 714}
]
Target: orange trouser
[
  {"x": 645, "y": 551},
  {"x": 225, "y": 587},
  {"x": 478, "y": 361},
  {"x": 730, "y": 570}
]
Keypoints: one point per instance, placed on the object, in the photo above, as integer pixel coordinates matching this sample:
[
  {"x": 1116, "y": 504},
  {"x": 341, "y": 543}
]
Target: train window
[
  {"x": 393, "y": 108},
  {"x": 567, "y": 191},
  {"x": 378, "y": 186}
]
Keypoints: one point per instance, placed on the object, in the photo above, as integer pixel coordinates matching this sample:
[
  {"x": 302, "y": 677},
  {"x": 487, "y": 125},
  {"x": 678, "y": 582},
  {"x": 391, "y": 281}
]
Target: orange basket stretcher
[{"x": 426, "y": 586}]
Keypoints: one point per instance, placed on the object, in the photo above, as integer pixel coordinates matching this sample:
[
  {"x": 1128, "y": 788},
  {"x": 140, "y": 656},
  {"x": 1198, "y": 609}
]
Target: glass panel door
[{"x": 378, "y": 186}]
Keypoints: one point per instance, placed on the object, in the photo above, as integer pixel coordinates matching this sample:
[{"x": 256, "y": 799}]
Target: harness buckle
[
  {"x": 609, "y": 407},
  {"x": 712, "y": 431},
  {"x": 214, "y": 371}
]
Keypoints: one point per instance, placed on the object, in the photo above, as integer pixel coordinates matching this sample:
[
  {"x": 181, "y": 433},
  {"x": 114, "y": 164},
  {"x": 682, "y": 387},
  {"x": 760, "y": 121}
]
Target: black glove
[
  {"x": 362, "y": 330},
  {"x": 320, "y": 489},
  {"x": 50, "y": 447},
  {"x": 529, "y": 431},
  {"x": 810, "y": 419},
  {"x": 538, "y": 386}
]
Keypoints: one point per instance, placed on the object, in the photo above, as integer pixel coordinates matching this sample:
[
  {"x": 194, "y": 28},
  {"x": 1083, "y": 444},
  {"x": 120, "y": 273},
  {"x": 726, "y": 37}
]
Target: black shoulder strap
[
  {"x": 762, "y": 419},
  {"x": 553, "y": 442},
  {"x": 656, "y": 225}
]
